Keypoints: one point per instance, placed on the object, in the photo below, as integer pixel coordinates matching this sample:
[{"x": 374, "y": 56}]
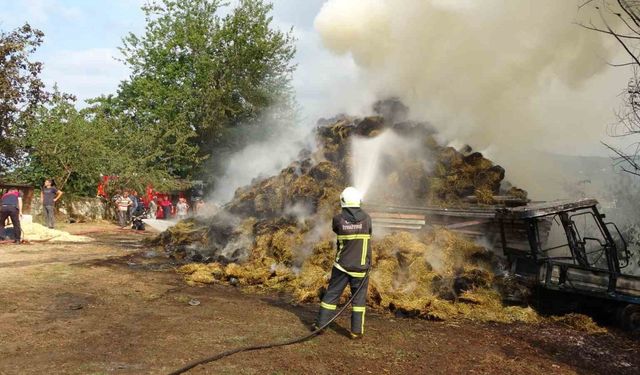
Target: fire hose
[{"x": 306, "y": 337}]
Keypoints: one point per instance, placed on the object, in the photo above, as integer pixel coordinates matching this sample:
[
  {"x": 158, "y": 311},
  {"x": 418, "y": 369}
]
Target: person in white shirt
[{"x": 182, "y": 209}]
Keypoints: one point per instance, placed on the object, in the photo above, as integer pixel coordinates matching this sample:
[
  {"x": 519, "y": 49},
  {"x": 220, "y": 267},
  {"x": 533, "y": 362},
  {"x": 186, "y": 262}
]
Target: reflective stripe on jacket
[{"x": 353, "y": 243}]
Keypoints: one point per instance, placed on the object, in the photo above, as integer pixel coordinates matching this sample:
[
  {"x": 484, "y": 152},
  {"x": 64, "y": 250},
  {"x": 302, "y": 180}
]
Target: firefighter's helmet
[{"x": 350, "y": 197}]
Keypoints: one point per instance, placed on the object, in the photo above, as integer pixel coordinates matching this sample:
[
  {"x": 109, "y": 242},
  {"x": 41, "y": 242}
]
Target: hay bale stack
[{"x": 262, "y": 240}]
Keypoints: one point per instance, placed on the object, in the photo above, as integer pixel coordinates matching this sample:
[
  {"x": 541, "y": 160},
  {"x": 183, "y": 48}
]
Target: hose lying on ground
[{"x": 271, "y": 345}]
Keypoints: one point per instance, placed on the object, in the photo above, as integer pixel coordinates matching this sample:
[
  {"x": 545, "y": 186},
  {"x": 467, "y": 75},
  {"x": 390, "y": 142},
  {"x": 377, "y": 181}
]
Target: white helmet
[{"x": 350, "y": 197}]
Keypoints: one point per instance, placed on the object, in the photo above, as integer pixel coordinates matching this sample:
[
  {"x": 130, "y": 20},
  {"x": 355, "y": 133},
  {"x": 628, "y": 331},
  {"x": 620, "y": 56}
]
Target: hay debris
[
  {"x": 198, "y": 273},
  {"x": 580, "y": 322},
  {"x": 36, "y": 232}
]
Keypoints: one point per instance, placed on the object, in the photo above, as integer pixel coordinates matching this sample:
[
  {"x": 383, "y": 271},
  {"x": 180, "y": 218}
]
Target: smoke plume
[
  {"x": 507, "y": 77},
  {"x": 262, "y": 157}
]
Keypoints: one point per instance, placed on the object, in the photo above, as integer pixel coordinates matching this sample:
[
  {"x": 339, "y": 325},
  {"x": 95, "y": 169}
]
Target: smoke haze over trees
[
  {"x": 198, "y": 77},
  {"x": 200, "y": 83}
]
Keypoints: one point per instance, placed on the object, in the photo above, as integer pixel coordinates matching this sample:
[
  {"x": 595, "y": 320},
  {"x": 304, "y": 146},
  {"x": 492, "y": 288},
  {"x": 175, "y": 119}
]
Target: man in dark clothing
[
  {"x": 353, "y": 259},
  {"x": 49, "y": 196},
  {"x": 11, "y": 207},
  {"x": 134, "y": 204}
]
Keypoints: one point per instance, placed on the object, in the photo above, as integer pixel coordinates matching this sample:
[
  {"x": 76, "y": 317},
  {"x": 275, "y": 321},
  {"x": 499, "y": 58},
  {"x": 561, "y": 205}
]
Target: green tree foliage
[
  {"x": 21, "y": 90},
  {"x": 157, "y": 153},
  {"x": 199, "y": 77},
  {"x": 60, "y": 143},
  {"x": 199, "y": 82},
  {"x": 76, "y": 147}
]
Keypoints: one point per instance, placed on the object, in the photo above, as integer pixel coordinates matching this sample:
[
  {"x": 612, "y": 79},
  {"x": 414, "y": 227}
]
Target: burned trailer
[
  {"x": 560, "y": 255},
  {"x": 572, "y": 259},
  {"x": 476, "y": 222}
]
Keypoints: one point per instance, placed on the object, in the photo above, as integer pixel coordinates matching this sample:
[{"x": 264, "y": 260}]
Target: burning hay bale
[
  {"x": 456, "y": 176},
  {"x": 437, "y": 276},
  {"x": 428, "y": 175},
  {"x": 401, "y": 272},
  {"x": 275, "y": 233},
  {"x": 309, "y": 285},
  {"x": 186, "y": 232}
]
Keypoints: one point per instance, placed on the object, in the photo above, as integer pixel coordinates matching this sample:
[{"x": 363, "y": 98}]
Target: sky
[
  {"x": 81, "y": 40},
  {"x": 82, "y": 37}
]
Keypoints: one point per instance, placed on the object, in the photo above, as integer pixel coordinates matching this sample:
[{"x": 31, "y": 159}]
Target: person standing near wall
[
  {"x": 134, "y": 204},
  {"x": 123, "y": 203},
  {"x": 49, "y": 195},
  {"x": 153, "y": 208}
]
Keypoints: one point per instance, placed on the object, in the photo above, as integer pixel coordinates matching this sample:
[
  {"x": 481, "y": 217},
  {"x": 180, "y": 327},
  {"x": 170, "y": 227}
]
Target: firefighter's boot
[{"x": 327, "y": 311}]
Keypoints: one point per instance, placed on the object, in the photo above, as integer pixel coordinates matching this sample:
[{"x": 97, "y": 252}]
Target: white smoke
[
  {"x": 261, "y": 158},
  {"x": 510, "y": 75}
]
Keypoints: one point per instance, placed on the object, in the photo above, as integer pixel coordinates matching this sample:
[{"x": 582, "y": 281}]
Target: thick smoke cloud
[
  {"x": 506, "y": 76},
  {"x": 258, "y": 160}
]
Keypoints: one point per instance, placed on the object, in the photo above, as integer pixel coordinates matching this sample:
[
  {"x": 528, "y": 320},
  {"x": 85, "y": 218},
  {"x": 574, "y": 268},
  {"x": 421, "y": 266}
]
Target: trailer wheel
[{"x": 630, "y": 318}]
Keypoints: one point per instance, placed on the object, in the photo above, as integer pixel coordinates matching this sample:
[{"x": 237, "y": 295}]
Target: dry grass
[{"x": 580, "y": 322}]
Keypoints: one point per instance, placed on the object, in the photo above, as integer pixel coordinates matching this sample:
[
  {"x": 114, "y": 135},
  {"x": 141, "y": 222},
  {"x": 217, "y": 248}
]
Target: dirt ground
[{"x": 114, "y": 307}]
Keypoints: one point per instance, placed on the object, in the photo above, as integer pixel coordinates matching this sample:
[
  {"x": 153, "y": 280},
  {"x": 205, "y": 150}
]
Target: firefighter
[{"x": 353, "y": 259}]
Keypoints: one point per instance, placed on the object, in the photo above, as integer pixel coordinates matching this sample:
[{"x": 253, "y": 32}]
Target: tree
[
  {"x": 156, "y": 154},
  {"x": 621, "y": 20},
  {"x": 76, "y": 147},
  {"x": 60, "y": 143},
  {"x": 21, "y": 90},
  {"x": 202, "y": 78},
  {"x": 198, "y": 84}
]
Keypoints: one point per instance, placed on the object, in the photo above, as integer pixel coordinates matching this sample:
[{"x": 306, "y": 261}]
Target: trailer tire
[{"x": 630, "y": 318}]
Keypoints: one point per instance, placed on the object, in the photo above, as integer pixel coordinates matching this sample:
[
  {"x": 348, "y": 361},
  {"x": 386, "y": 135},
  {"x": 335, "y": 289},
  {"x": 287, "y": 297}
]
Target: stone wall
[{"x": 75, "y": 209}]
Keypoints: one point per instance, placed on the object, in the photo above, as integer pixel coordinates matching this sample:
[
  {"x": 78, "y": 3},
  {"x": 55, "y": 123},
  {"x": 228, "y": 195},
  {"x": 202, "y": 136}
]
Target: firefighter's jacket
[{"x": 353, "y": 227}]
